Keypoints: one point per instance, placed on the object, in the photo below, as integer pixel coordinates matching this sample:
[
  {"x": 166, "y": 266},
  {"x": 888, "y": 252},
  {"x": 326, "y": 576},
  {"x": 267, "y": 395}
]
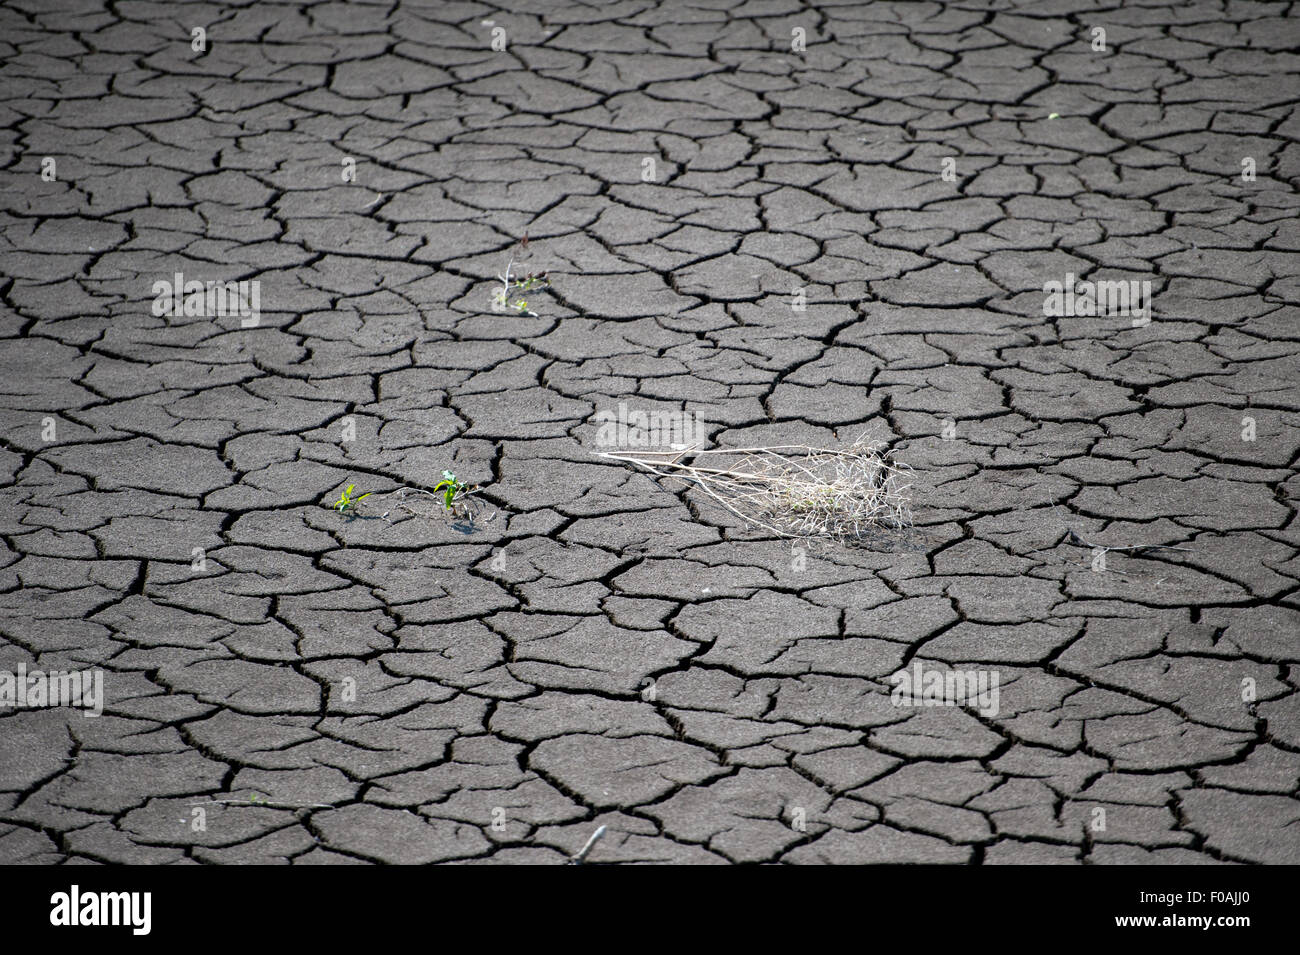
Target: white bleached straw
[{"x": 794, "y": 490}]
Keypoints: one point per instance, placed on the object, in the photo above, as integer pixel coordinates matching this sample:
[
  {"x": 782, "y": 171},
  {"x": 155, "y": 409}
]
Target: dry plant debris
[{"x": 794, "y": 490}]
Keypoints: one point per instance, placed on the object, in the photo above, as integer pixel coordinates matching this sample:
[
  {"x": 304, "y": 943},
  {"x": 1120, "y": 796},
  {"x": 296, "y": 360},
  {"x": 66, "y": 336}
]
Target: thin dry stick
[
  {"x": 503, "y": 295},
  {"x": 1079, "y": 540},
  {"x": 1076, "y": 538},
  {"x": 581, "y": 855},
  {"x": 262, "y": 804}
]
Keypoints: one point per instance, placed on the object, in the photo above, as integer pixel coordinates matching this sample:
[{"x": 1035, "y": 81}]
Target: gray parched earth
[{"x": 284, "y": 682}]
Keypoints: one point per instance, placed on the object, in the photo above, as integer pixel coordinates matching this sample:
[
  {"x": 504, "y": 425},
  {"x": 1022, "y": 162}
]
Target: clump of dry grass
[{"x": 795, "y": 490}]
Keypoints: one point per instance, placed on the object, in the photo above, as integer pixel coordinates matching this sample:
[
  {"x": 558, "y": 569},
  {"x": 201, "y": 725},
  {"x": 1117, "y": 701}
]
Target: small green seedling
[
  {"x": 451, "y": 488},
  {"x": 1055, "y": 116},
  {"x": 454, "y": 496},
  {"x": 502, "y": 299},
  {"x": 347, "y": 502},
  {"x": 506, "y": 295}
]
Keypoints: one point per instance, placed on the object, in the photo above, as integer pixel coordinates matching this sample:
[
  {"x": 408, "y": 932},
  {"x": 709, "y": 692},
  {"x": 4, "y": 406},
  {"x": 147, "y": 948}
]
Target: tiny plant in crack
[
  {"x": 347, "y": 502},
  {"x": 509, "y": 295},
  {"x": 453, "y": 491},
  {"x": 453, "y": 496}
]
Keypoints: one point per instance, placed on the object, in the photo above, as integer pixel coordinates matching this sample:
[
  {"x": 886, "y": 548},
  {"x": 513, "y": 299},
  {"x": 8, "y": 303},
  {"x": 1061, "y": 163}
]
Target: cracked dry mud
[{"x": 605, "y": 650}]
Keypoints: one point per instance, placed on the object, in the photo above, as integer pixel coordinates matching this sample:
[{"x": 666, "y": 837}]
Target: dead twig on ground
[
  {"x": 581, "y": 855},
  {"x": 1074, "y": 537}
]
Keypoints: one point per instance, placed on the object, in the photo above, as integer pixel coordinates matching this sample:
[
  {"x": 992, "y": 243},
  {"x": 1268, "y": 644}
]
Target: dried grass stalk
[{"x": 794, "y": 490}]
